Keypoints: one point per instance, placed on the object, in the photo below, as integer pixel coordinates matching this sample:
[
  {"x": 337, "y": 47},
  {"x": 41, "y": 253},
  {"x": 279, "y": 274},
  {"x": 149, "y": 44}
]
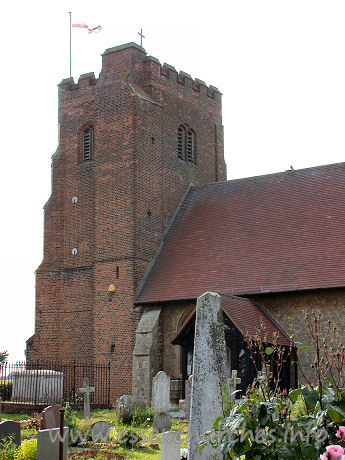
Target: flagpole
[{"x": 70, "y": 44}]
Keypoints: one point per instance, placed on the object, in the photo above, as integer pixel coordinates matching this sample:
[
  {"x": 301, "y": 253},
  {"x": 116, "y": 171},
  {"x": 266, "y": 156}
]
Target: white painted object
[{"x": 40, "y": 386}]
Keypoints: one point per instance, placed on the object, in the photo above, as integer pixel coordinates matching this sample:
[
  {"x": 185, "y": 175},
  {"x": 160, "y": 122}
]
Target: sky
[{"x": 279, "y": 64}]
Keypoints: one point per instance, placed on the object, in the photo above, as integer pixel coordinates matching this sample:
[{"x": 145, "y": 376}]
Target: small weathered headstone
[
  {"x": 188, "y": 390},
  {"x": 210, "y": 374},
  {"x": 233, "y": 382},
  {"x": 100, "y": 431},
  {"x": 182, "y": 405},
  {"x": 267, "y": 376},
  {"x": 51, "y": 417},
  {"x": 10, "y": 429},
  {"x": 48, "y": 442},
  {"x": 161, "y": 422},
  {"x": 124, "y": 408},
  {"x": 161, "y": 402},
  {"x": 171, "y": 445},
  {"x": 161, "y": 392},
  {"x": 86, "y": 391}
]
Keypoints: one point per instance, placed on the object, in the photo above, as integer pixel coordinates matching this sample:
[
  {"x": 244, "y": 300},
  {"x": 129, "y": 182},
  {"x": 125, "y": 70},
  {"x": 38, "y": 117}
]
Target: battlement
[{"x": 130, "y": 61}]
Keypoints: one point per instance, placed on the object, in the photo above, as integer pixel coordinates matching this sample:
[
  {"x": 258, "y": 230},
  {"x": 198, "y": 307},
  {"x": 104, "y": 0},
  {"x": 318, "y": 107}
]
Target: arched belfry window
[
  {"x": 186, "y": 144},
  {"x": 87, "y": 143}
]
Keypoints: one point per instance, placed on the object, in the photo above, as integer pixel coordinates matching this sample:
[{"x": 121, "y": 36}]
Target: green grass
[{"x": 147, "y": 452}]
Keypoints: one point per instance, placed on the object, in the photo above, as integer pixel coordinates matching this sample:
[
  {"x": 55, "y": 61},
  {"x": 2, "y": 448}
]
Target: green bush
[
  {"x": 28, "y": 450},
  {"x": 8, "y": 450},
  {"x": 129, "y": 438},
  {"x": 6, "y": 390},
  {"x": 142, "y": 416}
]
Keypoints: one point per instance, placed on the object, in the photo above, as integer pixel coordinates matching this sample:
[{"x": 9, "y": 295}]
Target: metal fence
[{"x": 54, "y": 382}]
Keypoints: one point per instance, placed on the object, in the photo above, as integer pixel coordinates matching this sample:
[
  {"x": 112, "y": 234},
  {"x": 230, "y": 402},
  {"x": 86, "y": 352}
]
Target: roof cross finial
[{"x": 141, "y": 37}]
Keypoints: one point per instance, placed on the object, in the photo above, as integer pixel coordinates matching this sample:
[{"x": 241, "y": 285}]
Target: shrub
[
  {"x": 129, "y": 438},
  {"x": 269, "y": 423},
  {"x": 6, "y": 390},
  {"x": 28, "y": 450},
  {"x": 70, "y": 418},
  {"x": 142, "y": 415},
  {"x": 8, "y": 449}
]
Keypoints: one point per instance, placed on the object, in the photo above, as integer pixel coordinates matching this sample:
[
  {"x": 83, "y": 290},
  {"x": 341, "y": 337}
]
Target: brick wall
[
  {"x": 126, "y": 197},
  {"x": 291, "y": 307}
]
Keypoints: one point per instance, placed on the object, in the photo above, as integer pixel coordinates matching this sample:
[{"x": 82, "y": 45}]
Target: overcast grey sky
[{"x": 279, "y": 64}]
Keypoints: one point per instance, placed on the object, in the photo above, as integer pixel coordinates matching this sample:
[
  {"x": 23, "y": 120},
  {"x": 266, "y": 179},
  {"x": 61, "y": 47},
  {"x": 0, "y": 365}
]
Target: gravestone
[
  {"x": 161, "y": 392},
  {"x": 100, "y": 431},
  {"x": 171, "y": 445},
  {"x": 10, "y": 429},
  {"x": 48, "y": 442},
  {"x": 210, "y": 374},
  {"x": 124, "y": 408},
  {"x": 188, "y": 391},
  {"x": 233, "y": 382},
  {"x": 182, "y": 405},
  {"x": 267, "y": 376},
  {"x": 51, "y": 416},
  {"x": 86, "y": 391},
  {"x": 161, "y": 402}
]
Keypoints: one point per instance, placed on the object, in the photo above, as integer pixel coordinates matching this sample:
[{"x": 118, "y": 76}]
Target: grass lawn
[{"x": 149, "y": 450}]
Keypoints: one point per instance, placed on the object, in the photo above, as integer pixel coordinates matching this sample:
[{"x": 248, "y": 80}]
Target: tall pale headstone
[
  {"x": 210, "y": 373},
  {"x": 161, "y": 401},
  {"x": 161, "y": 392},
  {"x": 171, "y": 445}
]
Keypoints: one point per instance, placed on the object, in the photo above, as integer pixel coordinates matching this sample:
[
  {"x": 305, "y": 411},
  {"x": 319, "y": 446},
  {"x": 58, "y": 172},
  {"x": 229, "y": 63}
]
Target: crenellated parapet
[
  {"x": 130, "y": 63},
  {"x": 154, "y": 69}
]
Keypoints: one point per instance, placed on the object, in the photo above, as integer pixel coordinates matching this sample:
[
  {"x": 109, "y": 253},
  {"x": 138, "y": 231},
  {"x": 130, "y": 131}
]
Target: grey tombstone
[
  {"x": 188, "y": 391},
  {"x": 86, "y": 391},
  {"x": 233, "y": 382},
  {"x": 161, "y": 402},
  {"x": 9, "y": 429},
  {"x": 161, "y": 392},
  {"x": 100, "y": 431},
  {"x": 210, "y": 374},
  {"x": 51, "y": 416},
  {"x": 171, "y": 445},
  {"x": 161, "y": 422},
  {"x": 124, "y": 408},
  {"x": 48, "y": 442}
]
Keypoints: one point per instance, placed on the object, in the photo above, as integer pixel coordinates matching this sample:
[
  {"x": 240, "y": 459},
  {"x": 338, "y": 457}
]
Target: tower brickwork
[{"x": 106, "y": 215}]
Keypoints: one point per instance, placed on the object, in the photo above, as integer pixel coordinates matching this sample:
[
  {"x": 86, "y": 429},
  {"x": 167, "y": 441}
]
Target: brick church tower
[{"x": 130, "y": 143}]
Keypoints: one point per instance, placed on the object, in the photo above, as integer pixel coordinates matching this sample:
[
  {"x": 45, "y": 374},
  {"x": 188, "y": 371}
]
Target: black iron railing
[{"x": 54, "y": 382}]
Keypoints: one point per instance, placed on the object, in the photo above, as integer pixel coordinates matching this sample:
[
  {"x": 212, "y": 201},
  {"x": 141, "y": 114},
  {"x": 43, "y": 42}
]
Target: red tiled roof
[
  {"x": 246, "y": 316},
  {"x": 274, "y": 233}
]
